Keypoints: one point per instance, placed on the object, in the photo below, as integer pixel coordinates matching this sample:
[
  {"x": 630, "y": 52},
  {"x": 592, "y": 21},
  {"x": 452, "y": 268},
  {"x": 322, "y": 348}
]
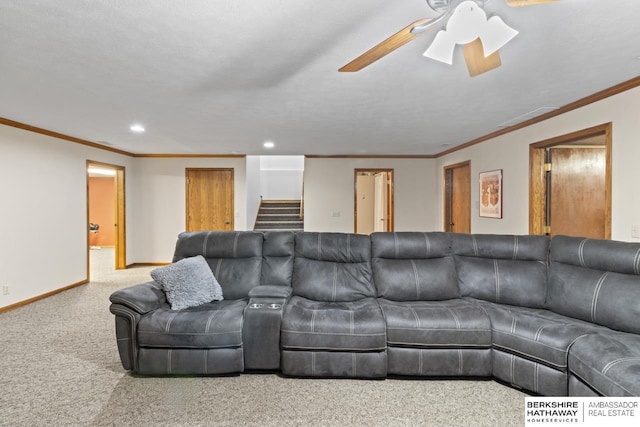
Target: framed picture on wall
[{"x": 491, "y": 194}]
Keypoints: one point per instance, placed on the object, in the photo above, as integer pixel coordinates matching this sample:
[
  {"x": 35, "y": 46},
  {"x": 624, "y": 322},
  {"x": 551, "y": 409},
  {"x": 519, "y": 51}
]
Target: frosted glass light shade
[
  {"x": 495, "y": 35},
  {"x": 442, "y": 48}
]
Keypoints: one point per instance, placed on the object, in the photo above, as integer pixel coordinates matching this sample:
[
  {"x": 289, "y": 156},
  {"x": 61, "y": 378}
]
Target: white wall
[
  {"x": 510, "y": 152},
  {"x": 329, "y": 191},
  {"x": 159, "y": 206},
  {"x": 281, "y": 177},
  {"x": 43, "y": 219}
]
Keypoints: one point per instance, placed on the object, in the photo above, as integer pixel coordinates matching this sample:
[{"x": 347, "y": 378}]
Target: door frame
[
  {"x": 447, "y": 191},
  {"x": 537, "y": 181},
  {"x": 186, "y": 190},
  {"x": 390, "y": 201},
  {"x": 120, "y": 215}
]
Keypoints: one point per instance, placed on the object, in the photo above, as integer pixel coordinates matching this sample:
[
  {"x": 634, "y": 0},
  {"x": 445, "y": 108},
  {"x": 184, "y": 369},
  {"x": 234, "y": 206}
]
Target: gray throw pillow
[{"x": 188, "y": 283}]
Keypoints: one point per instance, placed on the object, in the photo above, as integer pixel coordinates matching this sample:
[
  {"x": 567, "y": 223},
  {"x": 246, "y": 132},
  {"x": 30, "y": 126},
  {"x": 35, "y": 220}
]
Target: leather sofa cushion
[
  {"x": 339, "y": 326},
  {"x": 535, "y": 334},
  {"x": 606, "y": 255},
  {"x": 498, "y": 246},
  {"x": 410, "y": 245},
  {"x": 277, "y": 258},
  {"x": 213, "y": 325},
  {"x": 413, "y": 266},
  {"x": 234, "y": 257},
  {"x": 609, "y": 363},
  {"x": 597, "y": 281},
  {"x": 504, "y": 269},
  {"x": 219, "y": 244},
  {"x": 332, "y": 267},
  {"x": 441, "y": 324}
]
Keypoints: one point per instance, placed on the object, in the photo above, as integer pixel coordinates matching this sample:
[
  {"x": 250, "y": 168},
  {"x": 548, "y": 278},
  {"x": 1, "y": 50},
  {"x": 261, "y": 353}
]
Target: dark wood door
[
  {"x": 209, "y": 199},
  {"x": 577, "y": 191},
  {"x": 457, "y": 206}
]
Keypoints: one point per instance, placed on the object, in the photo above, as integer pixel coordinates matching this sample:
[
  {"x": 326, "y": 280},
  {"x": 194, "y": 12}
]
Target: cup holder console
[{"x": 272, "y": 306}]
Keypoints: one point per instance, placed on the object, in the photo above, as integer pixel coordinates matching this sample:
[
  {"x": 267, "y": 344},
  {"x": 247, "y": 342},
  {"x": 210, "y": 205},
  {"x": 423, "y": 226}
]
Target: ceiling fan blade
[
  {"x": 518, "y": 3},
  {"x": 397, "y": 40},
  {"x": 477, "y": 63}
]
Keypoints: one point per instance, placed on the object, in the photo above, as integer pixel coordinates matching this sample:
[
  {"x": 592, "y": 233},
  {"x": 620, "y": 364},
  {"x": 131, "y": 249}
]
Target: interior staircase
[{"x": 279, "y": 215}]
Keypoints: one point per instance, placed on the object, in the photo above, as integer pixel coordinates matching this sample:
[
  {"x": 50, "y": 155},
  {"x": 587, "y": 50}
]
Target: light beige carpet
[{"x": 59, "y": 366}]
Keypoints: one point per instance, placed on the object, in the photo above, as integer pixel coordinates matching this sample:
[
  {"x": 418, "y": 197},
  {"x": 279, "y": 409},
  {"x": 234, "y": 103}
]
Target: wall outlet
[
  {"x": 335, "y": 214},
  {"x": 635, "y": 231},
  {"x": 5, "y": 289}
]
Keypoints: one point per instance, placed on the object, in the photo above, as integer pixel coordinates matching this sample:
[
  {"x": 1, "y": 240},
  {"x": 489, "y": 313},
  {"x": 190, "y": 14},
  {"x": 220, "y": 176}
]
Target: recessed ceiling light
[
  {"x": 269, "y": 144},
  {"x": 137, "y": 128}
]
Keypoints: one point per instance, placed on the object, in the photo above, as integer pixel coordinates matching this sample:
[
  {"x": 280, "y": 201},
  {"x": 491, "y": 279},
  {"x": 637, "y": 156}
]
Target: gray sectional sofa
[{"x": 554, "y": 317}]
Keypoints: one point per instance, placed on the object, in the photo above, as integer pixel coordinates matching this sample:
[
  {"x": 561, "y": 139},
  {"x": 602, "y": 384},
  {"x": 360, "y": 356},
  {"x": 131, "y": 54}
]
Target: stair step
[
  {"x": 279, "y": 215},
  {"x": 278, "y": 226},
  {"x": 269, "y": 217},
  {"x": 268, "y": 204},
  {"x": 279, "y": 211},
  {"x": 298, "y": 222}
]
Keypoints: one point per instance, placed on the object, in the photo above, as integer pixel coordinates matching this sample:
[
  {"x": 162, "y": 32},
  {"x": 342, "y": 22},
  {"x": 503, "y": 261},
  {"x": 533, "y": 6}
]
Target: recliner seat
[
  {"x": 430, "y": 330},
  {"x": 333, "y": 326}
]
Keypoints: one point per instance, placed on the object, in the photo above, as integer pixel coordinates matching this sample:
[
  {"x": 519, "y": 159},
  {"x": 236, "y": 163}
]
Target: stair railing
[{"x": 302, "y": 198}]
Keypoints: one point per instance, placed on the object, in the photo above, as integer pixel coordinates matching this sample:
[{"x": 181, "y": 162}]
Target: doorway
[
  {"x": 106, "y": 228},
  {"x": 373, "y": 200},
  {"x": 457, "y": 197},
  {"x": 570, "y": 184},
  {"x": 210, "y": 199}
]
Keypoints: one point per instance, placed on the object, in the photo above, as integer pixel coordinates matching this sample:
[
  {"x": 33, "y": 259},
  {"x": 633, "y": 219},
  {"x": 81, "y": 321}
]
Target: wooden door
[
  {"x": 577, "y": 191},
  {"x": 209, "y": 199},
  {"x": 457, "y": 203},
  {"x": 570, "y": 178}
]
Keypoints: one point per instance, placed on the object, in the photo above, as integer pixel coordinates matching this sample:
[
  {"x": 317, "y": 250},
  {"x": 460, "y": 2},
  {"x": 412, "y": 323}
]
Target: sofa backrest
[
  {"x": 412, "y": 266},
  {"x": 277, "y": 258},
  {"x": 500, "y": 268},
  {"x": 332, "y": 267},
  {"x": 597, "y": 281},
  {"x": 235, "y": 258}
]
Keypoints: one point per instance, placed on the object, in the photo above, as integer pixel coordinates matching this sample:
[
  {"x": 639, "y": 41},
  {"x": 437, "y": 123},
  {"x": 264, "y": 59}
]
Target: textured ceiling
[{"x": 223, "y": 76}]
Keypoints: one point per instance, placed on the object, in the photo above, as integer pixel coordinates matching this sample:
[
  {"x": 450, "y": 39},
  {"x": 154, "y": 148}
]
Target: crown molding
[
  {"x": 191, "y": 156},
  {"x": 371, "y": 156},
  {"x": 598, "y": 96},
  {"x": 41, "y": 131}
]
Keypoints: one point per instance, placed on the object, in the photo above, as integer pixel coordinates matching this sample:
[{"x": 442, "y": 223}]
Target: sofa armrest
[
  {"x": 126, "y": 326},
  {"x": 270, "y": 291},
  {"x": 141, "y": 298}
]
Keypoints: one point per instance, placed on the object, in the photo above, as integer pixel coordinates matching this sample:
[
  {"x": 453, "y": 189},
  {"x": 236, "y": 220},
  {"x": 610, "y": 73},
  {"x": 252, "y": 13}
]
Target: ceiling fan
[{"x": 467, "y": 25}]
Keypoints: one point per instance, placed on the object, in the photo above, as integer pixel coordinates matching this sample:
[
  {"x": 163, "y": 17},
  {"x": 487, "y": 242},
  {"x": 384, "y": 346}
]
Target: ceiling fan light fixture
[{"x": 467, "y": 23}]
